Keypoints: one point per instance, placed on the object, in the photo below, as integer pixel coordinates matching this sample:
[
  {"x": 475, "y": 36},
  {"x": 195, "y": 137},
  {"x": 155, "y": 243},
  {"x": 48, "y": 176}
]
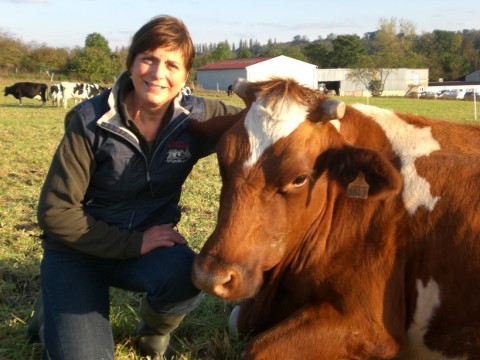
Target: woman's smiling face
[{"x": 158, "y": 76}]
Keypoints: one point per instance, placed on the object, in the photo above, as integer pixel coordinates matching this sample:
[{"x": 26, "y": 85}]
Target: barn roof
[{"x": 240, "y": 63}]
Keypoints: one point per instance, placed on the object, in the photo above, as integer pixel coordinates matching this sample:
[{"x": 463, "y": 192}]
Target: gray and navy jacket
[{"x": 103, "y": 190}]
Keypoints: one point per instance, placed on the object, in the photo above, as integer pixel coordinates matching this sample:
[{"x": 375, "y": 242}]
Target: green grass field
[{"x": 28, "y": 138}]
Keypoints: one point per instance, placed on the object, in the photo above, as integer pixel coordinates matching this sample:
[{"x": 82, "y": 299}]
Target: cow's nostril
[{"x": 226, "y": 285}]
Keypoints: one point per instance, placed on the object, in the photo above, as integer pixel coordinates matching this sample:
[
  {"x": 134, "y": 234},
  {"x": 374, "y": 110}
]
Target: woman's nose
[{"x": 158, "y": 70}]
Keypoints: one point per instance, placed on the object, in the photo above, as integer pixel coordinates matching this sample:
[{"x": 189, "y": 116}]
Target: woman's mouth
[{"x": 154, "y": 86}]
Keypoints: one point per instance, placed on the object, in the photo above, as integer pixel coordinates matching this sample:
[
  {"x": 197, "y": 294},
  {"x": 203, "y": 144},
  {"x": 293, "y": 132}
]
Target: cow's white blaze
[
  {"x": 266, "y": 126},
  {"x": 428, "y": 301},
  {"x": 409, "y": 143}
]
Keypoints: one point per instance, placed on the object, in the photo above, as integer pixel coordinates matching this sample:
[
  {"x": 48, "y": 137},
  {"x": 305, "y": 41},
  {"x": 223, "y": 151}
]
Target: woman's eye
[
  {"x": 173, "y": 66},
  {"x": 299, "y": 181}
]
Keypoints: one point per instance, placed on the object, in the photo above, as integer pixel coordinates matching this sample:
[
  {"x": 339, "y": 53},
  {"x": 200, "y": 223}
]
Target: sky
[{"x": 66, "y": 23}]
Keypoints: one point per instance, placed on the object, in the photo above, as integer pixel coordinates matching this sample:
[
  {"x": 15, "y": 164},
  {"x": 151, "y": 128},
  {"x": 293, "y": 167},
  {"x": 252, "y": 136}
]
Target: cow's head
[{"x": 282, "y": 166}]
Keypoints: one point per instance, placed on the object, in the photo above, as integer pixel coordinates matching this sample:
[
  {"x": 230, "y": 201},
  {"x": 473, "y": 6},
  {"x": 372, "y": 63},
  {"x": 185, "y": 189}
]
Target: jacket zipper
[{"x": 137, "y": 146}]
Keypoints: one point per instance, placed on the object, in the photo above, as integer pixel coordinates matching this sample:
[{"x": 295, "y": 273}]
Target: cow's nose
[
  {"x": 227, "y": 284},
  {"x": 214, "y": 277}
]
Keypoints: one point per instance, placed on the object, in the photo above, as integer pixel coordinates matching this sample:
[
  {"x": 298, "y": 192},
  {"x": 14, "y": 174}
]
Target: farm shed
[
  {"x": 474, "y": 76},
  {"x": 398, "y": 82},
  {"x": 221, "y": 74}
]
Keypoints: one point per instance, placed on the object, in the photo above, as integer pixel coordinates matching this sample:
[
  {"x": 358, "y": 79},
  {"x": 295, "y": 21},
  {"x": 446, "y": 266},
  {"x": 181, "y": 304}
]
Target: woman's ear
[{"x": 185, "y": 81}]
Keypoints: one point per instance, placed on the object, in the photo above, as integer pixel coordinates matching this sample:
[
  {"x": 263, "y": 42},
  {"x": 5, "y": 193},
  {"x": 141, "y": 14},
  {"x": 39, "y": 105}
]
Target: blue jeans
[{"x": 75, "y": 290}]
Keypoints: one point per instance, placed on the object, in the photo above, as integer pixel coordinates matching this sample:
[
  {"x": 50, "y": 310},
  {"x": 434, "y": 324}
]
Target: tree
[
  {"x": 393, "y": 44},
  {"x": 96, "y": 40},
  {"x": 294, "y": 52},
  {"x": 93, "y": 64},
  {"x": 347, "y": 51},
  {"x": 12, "y": 50},
  {"x": 318, "y": 54},
  {"x": 244, "y": 53},
  {"x": 471, "y": 48},
  {"x": 425, "y": 48},
  {"x": 299, "y": 40},
  {"x": 447, "y": 45},
  {"x": 391, "y": 47},
  {"x": 45, "y": 59},
  {"x": 371, "y": 77},
  {"x": 222, "y": 51}
]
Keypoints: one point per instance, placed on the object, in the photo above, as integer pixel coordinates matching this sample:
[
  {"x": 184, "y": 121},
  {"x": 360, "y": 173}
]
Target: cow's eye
[{"x": 299, "y": 181}]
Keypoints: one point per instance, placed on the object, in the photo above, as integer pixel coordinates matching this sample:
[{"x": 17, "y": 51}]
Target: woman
[{"x": 108, "y": 207}]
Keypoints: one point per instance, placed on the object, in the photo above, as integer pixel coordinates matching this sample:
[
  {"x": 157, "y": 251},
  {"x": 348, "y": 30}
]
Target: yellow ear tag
[{"x": 358, "y": 188}]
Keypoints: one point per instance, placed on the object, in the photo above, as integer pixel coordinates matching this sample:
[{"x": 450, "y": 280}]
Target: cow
[
  {"x": 29, "y": 90},
  {"x": 345, "y": 231},
  {"x": 79, "y": 91},
  {"x": 56, "y": 94},
  {"x": 230, "y": 90},
  {"x": 187, "y": 91}
]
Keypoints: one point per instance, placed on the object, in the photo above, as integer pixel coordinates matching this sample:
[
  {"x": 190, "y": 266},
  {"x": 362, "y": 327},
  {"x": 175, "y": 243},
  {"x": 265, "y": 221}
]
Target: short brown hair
[{"x": 162, "y": 31}]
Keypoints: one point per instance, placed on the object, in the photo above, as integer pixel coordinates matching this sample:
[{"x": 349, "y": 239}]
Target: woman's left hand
[{"x": 161, "y": 236}]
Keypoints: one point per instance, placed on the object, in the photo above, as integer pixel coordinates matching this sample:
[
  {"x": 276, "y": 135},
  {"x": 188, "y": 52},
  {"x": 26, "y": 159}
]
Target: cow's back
[{"x": 439, "y": 231}]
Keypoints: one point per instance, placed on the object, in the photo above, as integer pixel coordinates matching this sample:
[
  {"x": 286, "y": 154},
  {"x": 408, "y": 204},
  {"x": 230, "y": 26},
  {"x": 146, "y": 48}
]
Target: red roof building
[
  {"x": 241, "y": 63},
  {"x": 223, "y": 73}
]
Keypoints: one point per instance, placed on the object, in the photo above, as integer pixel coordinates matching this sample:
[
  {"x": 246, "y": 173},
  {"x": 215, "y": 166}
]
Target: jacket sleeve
[
  {"x": 60, "y": 210},
  {"x": 213, "y": 108}
]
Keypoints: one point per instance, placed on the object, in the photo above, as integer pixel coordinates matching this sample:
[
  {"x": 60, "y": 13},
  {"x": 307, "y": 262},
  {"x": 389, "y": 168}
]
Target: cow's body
[
  {"x": 56, "y": 94},
  {"x": 324, "y": 274},
  {"x": 29, "y": 90},
  {"x": 79, "y": 91}
]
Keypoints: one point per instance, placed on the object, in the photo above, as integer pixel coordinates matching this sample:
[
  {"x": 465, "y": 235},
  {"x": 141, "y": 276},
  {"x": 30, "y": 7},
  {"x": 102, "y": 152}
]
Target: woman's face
[{"x": 158, "y": 76}]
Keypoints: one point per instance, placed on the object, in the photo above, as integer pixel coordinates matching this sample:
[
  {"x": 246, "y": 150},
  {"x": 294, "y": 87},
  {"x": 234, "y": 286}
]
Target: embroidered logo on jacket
[{"x": 178, "y": 152}]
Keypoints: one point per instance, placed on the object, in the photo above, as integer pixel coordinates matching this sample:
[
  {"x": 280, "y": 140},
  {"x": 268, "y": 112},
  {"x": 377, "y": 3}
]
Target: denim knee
[{"x": 173, "y": 291}]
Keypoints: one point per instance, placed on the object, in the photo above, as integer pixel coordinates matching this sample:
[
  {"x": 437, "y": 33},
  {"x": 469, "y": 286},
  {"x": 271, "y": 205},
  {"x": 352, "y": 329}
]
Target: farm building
[
  {"x": 475, "y": 76},
  {"x": 221, "y": 74},
  {"x": 398, "y": 82}
]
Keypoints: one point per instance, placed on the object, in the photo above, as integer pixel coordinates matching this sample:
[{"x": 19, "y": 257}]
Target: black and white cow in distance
[
  {"x": 56, "y": 94},
  {"x": 29, "y": 90},
  {"x": 78, "y": 91}
]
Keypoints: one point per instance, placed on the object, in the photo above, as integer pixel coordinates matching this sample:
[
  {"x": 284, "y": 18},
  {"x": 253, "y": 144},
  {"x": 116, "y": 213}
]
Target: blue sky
[{"x": 66, "y": 23}]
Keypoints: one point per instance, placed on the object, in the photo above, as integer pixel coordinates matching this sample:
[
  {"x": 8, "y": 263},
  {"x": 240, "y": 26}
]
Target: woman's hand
[{"x": 161, "y": 236}]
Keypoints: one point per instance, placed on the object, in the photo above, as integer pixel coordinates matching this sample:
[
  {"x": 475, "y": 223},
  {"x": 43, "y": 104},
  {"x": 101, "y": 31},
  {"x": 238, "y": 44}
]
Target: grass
[{"x": 28, "y": 138}]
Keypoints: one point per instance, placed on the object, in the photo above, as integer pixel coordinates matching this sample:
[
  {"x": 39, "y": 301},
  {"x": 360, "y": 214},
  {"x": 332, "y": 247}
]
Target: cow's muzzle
[{"x": 213, "y": 276}]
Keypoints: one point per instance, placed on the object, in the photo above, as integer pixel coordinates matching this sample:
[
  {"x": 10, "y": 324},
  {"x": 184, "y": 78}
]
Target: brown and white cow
[{"x": 348, "y": 232}]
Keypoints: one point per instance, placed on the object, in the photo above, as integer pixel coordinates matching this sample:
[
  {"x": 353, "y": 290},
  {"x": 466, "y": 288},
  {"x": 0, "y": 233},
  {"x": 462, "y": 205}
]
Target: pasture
[{"x": 28, "y": 138}]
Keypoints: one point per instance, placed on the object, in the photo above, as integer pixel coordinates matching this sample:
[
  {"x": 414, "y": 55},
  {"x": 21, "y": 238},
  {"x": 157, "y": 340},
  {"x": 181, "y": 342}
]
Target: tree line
[{"x": 449, "y": 55}]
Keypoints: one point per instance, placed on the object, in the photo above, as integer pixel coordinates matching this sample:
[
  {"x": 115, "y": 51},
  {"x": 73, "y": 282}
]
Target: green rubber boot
[
  {"x": 154, "y": 330},
  {"x": 35, "y": 323}
]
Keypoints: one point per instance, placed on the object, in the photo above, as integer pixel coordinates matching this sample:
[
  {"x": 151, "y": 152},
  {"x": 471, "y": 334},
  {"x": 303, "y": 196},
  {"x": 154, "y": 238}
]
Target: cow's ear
[
  {"x": 211, "y": 130},
  {"x": 326, "y": 109},
  {"x": 362, "y": 173},
  {"x": 245, "y": 90}
]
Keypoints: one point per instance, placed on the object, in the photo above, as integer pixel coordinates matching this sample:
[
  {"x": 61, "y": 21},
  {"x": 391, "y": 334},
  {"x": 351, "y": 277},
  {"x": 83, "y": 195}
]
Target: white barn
[
  {"x": 398, "y": 82},
  {"x": 221, "y": 74}
]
